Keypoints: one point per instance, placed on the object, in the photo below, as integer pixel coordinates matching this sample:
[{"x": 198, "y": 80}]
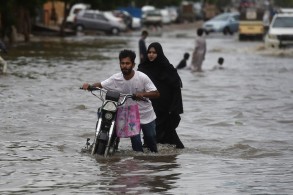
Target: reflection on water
[
  {"x": 139, "y": 174},
  {"x": 237, "y": 122}
]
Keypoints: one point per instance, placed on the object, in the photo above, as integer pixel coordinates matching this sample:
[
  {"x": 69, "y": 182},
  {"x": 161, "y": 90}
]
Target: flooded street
[{"x": 237, "y": 122}]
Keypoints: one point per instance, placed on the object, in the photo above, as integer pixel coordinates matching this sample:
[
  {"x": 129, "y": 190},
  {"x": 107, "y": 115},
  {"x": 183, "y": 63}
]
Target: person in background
[
  {"x": 266, "y": 21},
  {"x": 3, "y": 63},
  {"x": 199, "y": 52},
  {"x": 169, "y": 106},
  {"x": 129, "y": 81},
  {"x": 142, "y": 46},
  {"x": 183, "y": 62},
  {"x": 220, "y": 64}
]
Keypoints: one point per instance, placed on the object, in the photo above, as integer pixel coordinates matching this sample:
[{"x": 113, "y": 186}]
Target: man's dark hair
[
  {"x": 200, "y": 31},
  {"x": 144, "y": 33},
  {"x": 127, "y": 53},
  {"x": 186, "y": 56},
  {"x": 220, "y": 60}
]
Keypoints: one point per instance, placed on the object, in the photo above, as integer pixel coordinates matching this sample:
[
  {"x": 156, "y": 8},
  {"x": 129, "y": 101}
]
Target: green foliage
[{"x": 10, "y": 6}]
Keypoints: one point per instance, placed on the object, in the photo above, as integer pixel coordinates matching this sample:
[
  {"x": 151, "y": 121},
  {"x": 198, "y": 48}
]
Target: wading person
[
  {"x": 129, "y": 81},
  {"x": 183, "y": 62},
  {"x": 142, "y": 46},
  {"x": 169, "y": 106},
  {"x": 3, "y": 63},
  {"x": 199, "y": 52},
  {"x": 220, "y": 64}
]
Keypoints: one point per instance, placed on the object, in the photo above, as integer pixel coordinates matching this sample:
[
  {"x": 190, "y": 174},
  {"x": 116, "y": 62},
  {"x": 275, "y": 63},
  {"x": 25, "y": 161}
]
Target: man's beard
[{"x": 126, "y": 71}]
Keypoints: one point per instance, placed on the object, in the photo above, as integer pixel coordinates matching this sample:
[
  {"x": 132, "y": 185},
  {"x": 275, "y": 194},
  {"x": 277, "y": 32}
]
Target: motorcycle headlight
[
  {"x": 110, "y": 106},
  {"x": 108, "y": 115}
]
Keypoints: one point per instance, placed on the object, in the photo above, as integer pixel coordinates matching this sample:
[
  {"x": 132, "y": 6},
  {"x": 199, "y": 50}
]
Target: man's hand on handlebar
[
  {"x": 86, "y": 86},
  {"x": 139, "y": 97}
]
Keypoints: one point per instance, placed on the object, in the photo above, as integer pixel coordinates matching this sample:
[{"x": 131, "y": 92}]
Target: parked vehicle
[
  {"x": 227, "y": 23},
  {"x": 152, "y": 18},
  {"x": 100, "y": 21},
  {"x": 166, "y": 16},
  {"x": 136, "y": 23},
  {"x": 173, "y": 12},
  {"x": 251, "y": 23},
  {"x": 125, "y": 16},
  {"x": 130, "y": 21},
  {"x": 105, "y": 142},
  {"x": 73, "y": 12},
  {"x": 280, "y": 33}
]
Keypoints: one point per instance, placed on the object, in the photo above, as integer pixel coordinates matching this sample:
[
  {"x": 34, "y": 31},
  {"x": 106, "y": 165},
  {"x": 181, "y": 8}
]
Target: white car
[
  {"x": 166, "y": 16},
  {"x": 136, "y": 23},
  {"x": 74, "y": 11},
  {"x": 99, "y": 21},
  {"x": 280, "y": 33},
  {"x": 152, "y": 18}
]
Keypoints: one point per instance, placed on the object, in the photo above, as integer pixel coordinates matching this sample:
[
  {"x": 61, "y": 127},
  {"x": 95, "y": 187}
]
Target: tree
[{"x": 17, "y": 14}]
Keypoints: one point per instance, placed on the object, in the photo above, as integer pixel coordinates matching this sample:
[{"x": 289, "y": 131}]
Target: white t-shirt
[
  {"x": 140, "y": 82},
  {"x": 218, "y": 67}
]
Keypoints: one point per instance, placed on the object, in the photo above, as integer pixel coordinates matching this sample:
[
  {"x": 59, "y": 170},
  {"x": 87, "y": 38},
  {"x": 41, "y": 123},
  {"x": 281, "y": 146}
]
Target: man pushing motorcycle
[{"x": 129, "y": 81}]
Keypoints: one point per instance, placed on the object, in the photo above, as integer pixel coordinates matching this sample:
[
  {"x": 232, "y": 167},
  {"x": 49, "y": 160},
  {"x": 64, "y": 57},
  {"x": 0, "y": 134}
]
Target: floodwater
[{"x": 237, "y": 125}]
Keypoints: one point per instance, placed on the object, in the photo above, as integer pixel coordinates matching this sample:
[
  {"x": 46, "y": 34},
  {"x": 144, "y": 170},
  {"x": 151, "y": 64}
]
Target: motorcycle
[{"x": 105, "y": 141}]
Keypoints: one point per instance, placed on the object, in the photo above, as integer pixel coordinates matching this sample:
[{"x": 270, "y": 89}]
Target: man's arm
[
  {"x": 86, "y": 85},
  {"x": 151, "y": 95}
]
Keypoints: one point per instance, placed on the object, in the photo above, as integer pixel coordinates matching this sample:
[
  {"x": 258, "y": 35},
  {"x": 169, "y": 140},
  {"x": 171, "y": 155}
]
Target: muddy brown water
[{"x": 237, "y": 122}]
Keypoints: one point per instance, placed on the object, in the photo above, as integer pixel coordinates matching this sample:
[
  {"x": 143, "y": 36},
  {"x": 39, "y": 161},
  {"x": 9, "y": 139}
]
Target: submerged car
[
  {"x": 100, "y": 21},
  {"x": 227, "y": 23},
  {"x": 280, "y": 33}
]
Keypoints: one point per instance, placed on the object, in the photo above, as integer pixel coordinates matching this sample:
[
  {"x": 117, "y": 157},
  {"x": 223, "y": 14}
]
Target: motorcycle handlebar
[{"x": 125, "y": 96}]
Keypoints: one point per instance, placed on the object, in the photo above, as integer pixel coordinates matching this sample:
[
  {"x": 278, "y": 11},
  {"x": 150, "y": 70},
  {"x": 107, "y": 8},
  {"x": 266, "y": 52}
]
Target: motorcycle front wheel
[
  {"x": 101, "y": 147},
  {"x": 114, "y": 145}
]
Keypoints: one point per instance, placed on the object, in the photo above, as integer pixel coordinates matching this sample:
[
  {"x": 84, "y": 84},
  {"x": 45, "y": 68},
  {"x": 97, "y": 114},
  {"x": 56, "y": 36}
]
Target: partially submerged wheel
[
  {"x": 114, "y": 146},
  {"x": 227, "y": 31},
  {"x": 79, "y": 28},
  {"x": 115, "y": 31},
  {"x": 101, "y": 147}
]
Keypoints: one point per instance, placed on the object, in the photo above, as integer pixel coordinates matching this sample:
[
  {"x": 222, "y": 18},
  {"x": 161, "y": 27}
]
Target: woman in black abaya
[{"x": 169, "y": 106}]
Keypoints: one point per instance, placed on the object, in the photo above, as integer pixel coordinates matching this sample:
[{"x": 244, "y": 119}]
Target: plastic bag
[{"x": 127, "y": 120}]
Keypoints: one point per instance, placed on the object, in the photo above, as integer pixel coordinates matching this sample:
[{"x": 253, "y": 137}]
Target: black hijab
[
  {"x": 160, "y": 68},
  {"x": 166, "y": 79}
]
